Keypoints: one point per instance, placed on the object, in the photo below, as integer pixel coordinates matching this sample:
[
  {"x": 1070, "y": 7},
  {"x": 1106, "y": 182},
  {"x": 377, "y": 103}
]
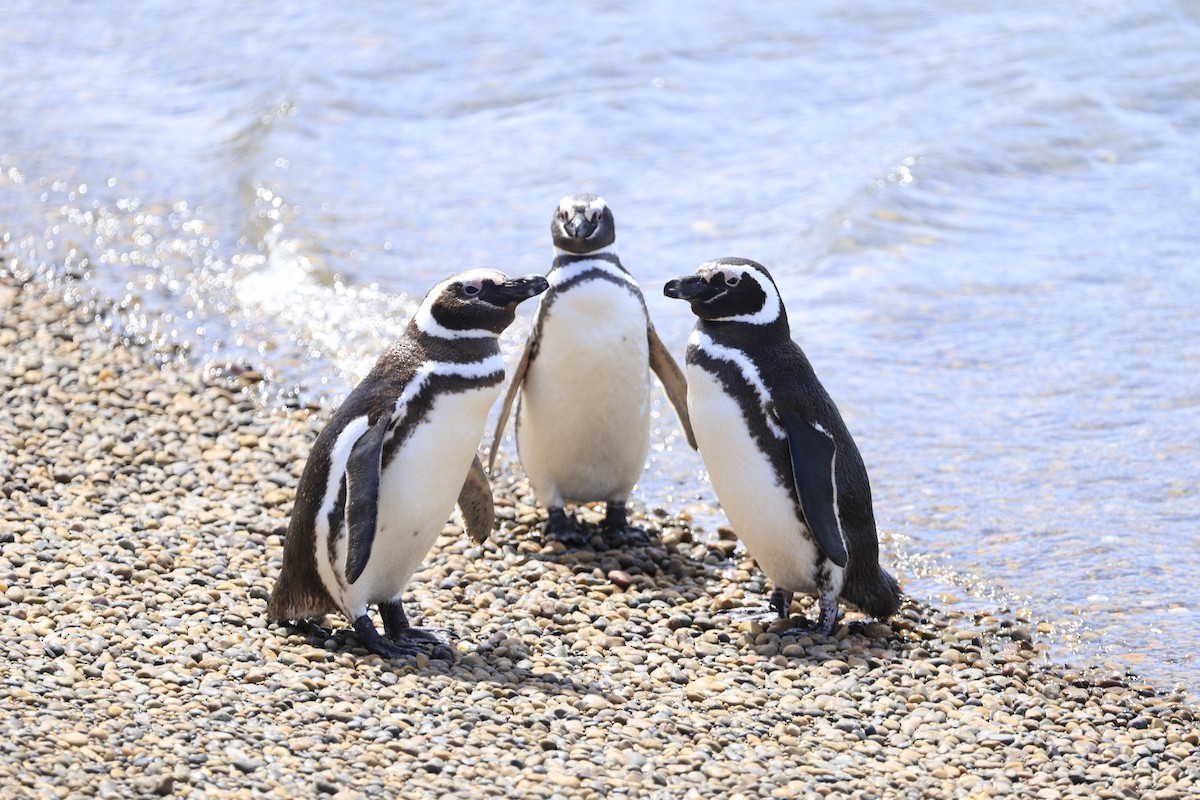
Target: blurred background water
[{"x": 983, "y": 217}]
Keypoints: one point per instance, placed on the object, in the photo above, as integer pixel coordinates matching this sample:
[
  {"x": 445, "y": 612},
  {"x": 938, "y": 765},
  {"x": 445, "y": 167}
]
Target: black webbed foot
[
  {"x": 829, "y": 615},
  {"x": 778, "y": 610},
  {"x": 781, "y": 602},
  {"x": 628, "y": 536},
  {"x": 316, "y": 633},
  {"x": 401, "y": 633},
  {"x": 616, "y": 529},
  {"x": 389, "y": 647},
  {"x": 561, "y": 528},
  {"x": 824, "y": 625}
]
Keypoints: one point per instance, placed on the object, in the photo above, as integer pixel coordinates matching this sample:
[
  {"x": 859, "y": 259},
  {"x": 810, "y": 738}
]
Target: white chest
[
  {"x": 418, "y": 490},
  {"x": 584, "y": 420},
  {"x": 758, "y": 505}
]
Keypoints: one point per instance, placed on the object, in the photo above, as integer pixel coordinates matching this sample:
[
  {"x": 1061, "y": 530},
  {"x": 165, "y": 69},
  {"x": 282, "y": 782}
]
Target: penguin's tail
[
  {"x": 875, "y": 593},
  {"x": 298, "y": 595},
  {"x": 287, "y": 604}
]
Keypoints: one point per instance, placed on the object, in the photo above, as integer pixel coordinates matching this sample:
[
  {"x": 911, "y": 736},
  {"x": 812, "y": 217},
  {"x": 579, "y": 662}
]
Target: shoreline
[{"x": 144, "y": 508}]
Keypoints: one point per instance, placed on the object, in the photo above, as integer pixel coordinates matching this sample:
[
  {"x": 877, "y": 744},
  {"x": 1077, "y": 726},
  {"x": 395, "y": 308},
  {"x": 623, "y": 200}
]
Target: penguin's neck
[
  {"x": 570, "y": 269},
  {"x": 608, "y": 253},
  {"x": 744, "y": 335},
  {"x": 439, "y": 348}
]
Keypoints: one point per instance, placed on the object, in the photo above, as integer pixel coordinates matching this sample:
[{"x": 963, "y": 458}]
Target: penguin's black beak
[
  {"x": 692, "y": 287},
  {"x": 578, "y": 227},
  {"x": 514, "y": 290}
]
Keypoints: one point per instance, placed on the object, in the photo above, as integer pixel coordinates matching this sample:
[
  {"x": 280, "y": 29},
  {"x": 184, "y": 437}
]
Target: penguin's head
[
  {"x": 730, "y": 290},
  {"x": 582, "y": 224},
  {"x": 473, "y": 304}
]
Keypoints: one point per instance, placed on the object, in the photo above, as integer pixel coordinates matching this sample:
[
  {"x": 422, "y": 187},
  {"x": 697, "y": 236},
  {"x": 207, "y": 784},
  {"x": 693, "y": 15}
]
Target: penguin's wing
[
  {"x": 514, "y": 386},
  {"x": 363, "y": 469},
  {"x": 672, "y": 379},
  {"x": 475, "y": 502},
  {"x": 813, "y": 453}
]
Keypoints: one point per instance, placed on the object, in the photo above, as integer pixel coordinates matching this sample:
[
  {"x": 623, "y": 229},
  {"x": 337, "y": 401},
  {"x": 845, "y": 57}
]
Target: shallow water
[{"x": 982, "y": 217}]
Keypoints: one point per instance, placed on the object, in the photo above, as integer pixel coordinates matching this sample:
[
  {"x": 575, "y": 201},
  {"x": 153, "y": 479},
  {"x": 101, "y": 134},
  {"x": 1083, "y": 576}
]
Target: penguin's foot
[
  {"x": 616, "y": 529},
  {"x": 431, "y": 635},
  {"x": 561, "y": 528},
  {"x": 424, "y": 640},
  {"x": 781, "y": 601},
  {"x": 778, "y": 608},
  {"x": 387, "y": 647},
  {"x": 824, "y": 625},
  {"x": 397, "y": 629},
  {"x": 829, "y": 615},
  {"x": 627, "y": 536},
  {"x": 314, "y": 631}
]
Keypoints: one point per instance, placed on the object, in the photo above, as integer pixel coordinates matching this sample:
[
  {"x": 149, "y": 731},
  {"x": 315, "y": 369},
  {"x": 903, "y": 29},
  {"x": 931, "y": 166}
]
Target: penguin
[
  {"x": 781, "y": 460},
  {"x": 583, "y": 420},
  {"x": 385, "y": 473}
]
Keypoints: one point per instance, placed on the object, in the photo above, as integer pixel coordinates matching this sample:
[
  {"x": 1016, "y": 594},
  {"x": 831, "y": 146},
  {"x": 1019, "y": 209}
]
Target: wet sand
[{"x": 143, "y": 514}]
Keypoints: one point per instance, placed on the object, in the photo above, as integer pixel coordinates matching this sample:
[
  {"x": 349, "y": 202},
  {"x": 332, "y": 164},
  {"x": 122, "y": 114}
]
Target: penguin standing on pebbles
[
  {"x": 583, "y": 420},
  {"x": 781, "y": 461},
  {"x": 384, "y": 474}
]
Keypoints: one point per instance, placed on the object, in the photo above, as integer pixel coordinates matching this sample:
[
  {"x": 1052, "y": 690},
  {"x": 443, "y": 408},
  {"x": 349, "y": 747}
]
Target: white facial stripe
[
  {"x": 749, "y": 373},
  {"x": 837, "y": 514},
  {"x": 558, "y": 277},
  {"x": 595, "y": 209},
  {"x": 772, "y": 305},
  {"x": 424, "y": 316},
  {"x": 338, "y": 457},
  {"x": 471, "y": 369}
]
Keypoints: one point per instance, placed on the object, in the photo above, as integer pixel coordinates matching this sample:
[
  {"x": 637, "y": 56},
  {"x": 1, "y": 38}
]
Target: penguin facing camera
[
  {"x": 387, "y": 470},
  {"x": 782, "y": 462},
  {"x": 583, "y": 419}
]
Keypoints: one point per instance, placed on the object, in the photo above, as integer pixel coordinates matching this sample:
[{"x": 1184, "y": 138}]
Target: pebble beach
[{"x": 144, "y": 506}]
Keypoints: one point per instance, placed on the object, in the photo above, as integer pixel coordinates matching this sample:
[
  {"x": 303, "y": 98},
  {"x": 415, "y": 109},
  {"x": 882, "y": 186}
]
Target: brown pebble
[{"x": 620, "y": 578}]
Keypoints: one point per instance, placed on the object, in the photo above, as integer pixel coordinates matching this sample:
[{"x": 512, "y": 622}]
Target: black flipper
[
  {"x": 673, "y": 381},
  {"x": 813, "y": 453},
  {"x": 363, "y": 470},
  {"x": 475, "y": 503},
  {"x": 514, "y": 386}
]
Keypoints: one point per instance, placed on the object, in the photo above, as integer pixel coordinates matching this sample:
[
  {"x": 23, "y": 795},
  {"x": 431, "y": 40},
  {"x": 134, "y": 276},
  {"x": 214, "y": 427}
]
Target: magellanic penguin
[
  {"x": 781, "y": 461},
  {"x": 383, "y": 476},
  {"x": 583, "y": 420}
]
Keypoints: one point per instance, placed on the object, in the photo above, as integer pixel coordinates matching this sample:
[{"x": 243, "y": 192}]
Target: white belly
[
  {"x": 417, "y": 493},
  {"x": 583, "y": 427},
  {"x": 758, "y": 506}
]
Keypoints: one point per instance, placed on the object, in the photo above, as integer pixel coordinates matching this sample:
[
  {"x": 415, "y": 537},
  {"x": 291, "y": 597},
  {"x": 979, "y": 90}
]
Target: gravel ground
[{"x": 143, "y": 514}]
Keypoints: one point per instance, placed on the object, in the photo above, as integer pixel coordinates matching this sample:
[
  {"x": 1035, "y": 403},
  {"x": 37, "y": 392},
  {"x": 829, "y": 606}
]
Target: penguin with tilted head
[
  {"x": 385, "y": 473},
  {"x": 781, "y": 461},
  {"x": 583, "y": 420}
]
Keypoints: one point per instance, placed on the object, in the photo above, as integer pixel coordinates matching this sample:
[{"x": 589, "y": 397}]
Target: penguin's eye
[
  {"x": 732, "y": 280},
  {"x": 592, "y": 214},
  {"x": 471, "y": 289},
  {"x": 563, "y": 214}
]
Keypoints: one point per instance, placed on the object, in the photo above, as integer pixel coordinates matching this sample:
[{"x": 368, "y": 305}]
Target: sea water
[{"x": 984, "y": 219}]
